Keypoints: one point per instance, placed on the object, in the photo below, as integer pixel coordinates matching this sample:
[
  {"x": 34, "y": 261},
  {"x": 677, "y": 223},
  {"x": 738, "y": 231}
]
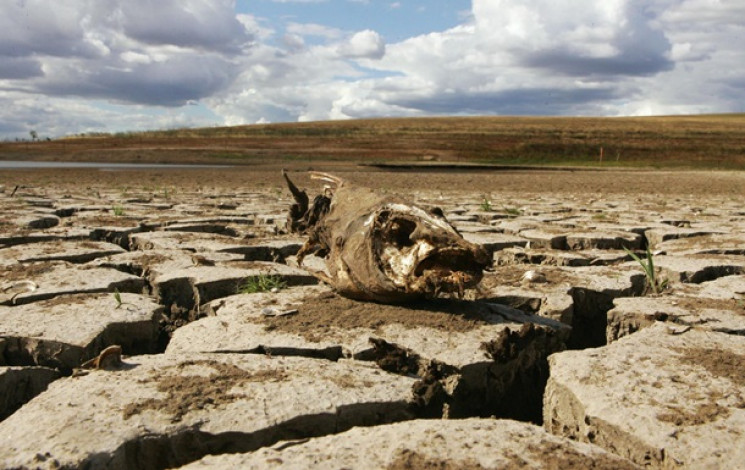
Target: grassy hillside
[{"x": 711, "y": 141}]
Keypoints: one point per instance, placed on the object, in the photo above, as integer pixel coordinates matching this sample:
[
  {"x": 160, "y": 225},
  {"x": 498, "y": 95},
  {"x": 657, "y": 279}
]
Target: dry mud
[{"x": 564, "y": 357}]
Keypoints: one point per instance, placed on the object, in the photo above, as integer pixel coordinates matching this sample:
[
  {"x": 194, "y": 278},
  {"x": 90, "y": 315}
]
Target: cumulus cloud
[
  {"x": 585, "y": 57},
  {"x": 36, "y": 27},
  {"x": 200, "y": 24},
  {"x": 52, "y": 116},
  {"x": 365, "y": 44},
  {"x": 313, "y": 29},
  {"x": 709, "y": 61},
  {"x": 609, "y": 39},
  {"x": 593, "y": 35},
  {"x": 120, "y": 50},
  {"x": 169, "y": 82},
  {"x": 512, "y": 51},
  {"x": 507, "y": 57},
  {"x": 618, "y": 57},
  {"x": 20, "y": 68}
]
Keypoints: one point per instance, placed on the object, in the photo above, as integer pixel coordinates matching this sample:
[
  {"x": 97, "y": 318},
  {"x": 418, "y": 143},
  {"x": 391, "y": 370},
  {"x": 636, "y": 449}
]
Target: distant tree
[{"x": 34, "y": 135}]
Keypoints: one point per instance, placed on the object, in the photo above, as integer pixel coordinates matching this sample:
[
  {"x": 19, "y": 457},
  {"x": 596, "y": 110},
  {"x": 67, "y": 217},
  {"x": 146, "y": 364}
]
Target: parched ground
[
  {"x": 632, "y": 182},
  {"x": 567, "y": 356}
]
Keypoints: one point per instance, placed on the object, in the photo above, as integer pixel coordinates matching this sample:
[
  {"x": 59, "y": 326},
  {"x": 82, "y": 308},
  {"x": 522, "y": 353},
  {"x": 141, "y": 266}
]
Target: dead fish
[{"x": 382, "y": 248}]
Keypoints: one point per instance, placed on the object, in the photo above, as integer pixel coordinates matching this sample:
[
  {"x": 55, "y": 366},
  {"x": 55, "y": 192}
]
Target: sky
[{"x": 82, "y": 66}]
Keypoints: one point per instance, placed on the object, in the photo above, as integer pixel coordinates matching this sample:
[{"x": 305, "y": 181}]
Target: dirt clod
[
  {"x": 185, "y": 393},
  {"x": 412, "y": 460},
  {"x": 718, "y": 362},
  {"x": 317, "y": 317},
  {"x": 393, "y": 358},
  {"x": 19, "y": 272},
  {"x": 510, "y": 343}
]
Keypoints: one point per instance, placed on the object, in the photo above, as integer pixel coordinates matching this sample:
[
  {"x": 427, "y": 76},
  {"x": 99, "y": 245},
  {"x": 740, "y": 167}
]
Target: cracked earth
[{"x": 564, "y": 357}]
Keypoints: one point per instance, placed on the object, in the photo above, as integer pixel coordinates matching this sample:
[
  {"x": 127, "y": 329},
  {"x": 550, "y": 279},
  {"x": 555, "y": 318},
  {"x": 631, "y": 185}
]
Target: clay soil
[
  {"x": 318, "y": 317},
  {"x": 719, "y": 363},
  {"x": 663, "y": 183},
  {"x": 554, "y": 455},
  {"x": 185, "y": 393}
]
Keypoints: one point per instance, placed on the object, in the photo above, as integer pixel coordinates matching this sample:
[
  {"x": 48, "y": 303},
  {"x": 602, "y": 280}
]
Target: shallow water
[{"x": 23, "y": 164}]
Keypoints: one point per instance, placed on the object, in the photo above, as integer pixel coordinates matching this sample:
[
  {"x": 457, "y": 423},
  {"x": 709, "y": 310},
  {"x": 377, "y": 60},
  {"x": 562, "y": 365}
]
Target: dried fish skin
[{"x": 383, "y": 248}]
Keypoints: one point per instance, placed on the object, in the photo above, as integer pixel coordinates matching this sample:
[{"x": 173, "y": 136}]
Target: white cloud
[
  {"x": 507, "y": 58},
  {"x": 544, "y": 57},
  {"x": 719, "y": 13},
  {"x": 51, "y": 116},
  {"x": 256, "y": 26},
  {"x": 313, "y": 29},
  {"x": 200, "y": 24},
  {"x": 120, "y": 50},
  {"x": 39, "y": 27},
  {"x": 364, "y": 44},
  {"x": 293, "y": 42},
  {"x": 620, "y": 57}
]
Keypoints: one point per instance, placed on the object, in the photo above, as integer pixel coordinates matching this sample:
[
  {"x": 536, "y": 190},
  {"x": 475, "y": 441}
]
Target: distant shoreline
[{"x": 41, "y": 164}]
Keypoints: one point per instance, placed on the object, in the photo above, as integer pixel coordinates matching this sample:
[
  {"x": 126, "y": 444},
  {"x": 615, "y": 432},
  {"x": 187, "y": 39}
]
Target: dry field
[
  {"x": 658, "y": 185},
  {"x": 714, "y": 141},
  {"x": 566, "y": 356}
]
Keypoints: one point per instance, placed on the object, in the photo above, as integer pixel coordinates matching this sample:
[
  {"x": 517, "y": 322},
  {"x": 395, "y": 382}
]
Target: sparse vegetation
[
  {"x": 118, "y": 210},
  {"x": 600, "y": 216},
  {"x": 512, "y": 211},
  {"x": 117, "y": 298},
  {"x": 261, "y": 283},
  {"x": 701, "y": 141},
  {"x": 486, "y": 205},
  {"x": 655, "y": 284}
]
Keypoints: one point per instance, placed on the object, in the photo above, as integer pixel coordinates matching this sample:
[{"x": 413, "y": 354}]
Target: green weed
[
  {"x": 118, "y": 210},
  {"x": 261, "y": 283},
  {"x": 486, "y": 205},
  {"x": 656, "y": 284},
  {"x": 512, "y": 211}
]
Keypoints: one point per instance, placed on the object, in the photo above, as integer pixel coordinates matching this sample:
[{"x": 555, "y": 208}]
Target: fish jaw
[{"x": 421, "y": 253}]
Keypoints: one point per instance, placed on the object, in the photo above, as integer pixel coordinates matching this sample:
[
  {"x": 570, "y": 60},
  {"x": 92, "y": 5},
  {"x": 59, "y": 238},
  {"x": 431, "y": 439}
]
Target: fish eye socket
[
  {"x": 437, "y": 212},
  {"x": 400, "y": 231}
]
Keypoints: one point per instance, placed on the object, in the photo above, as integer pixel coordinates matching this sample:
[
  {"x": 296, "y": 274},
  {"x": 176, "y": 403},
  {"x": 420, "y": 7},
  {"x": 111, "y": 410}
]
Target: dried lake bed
[{"x": 563, "y": 357}]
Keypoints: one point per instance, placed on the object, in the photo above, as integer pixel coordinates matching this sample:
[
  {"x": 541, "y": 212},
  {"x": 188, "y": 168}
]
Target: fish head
[{"x": 420, "y": 252}]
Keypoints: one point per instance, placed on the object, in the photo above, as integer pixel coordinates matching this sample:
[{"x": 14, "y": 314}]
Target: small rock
[{"x": 533, "y": 277}]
